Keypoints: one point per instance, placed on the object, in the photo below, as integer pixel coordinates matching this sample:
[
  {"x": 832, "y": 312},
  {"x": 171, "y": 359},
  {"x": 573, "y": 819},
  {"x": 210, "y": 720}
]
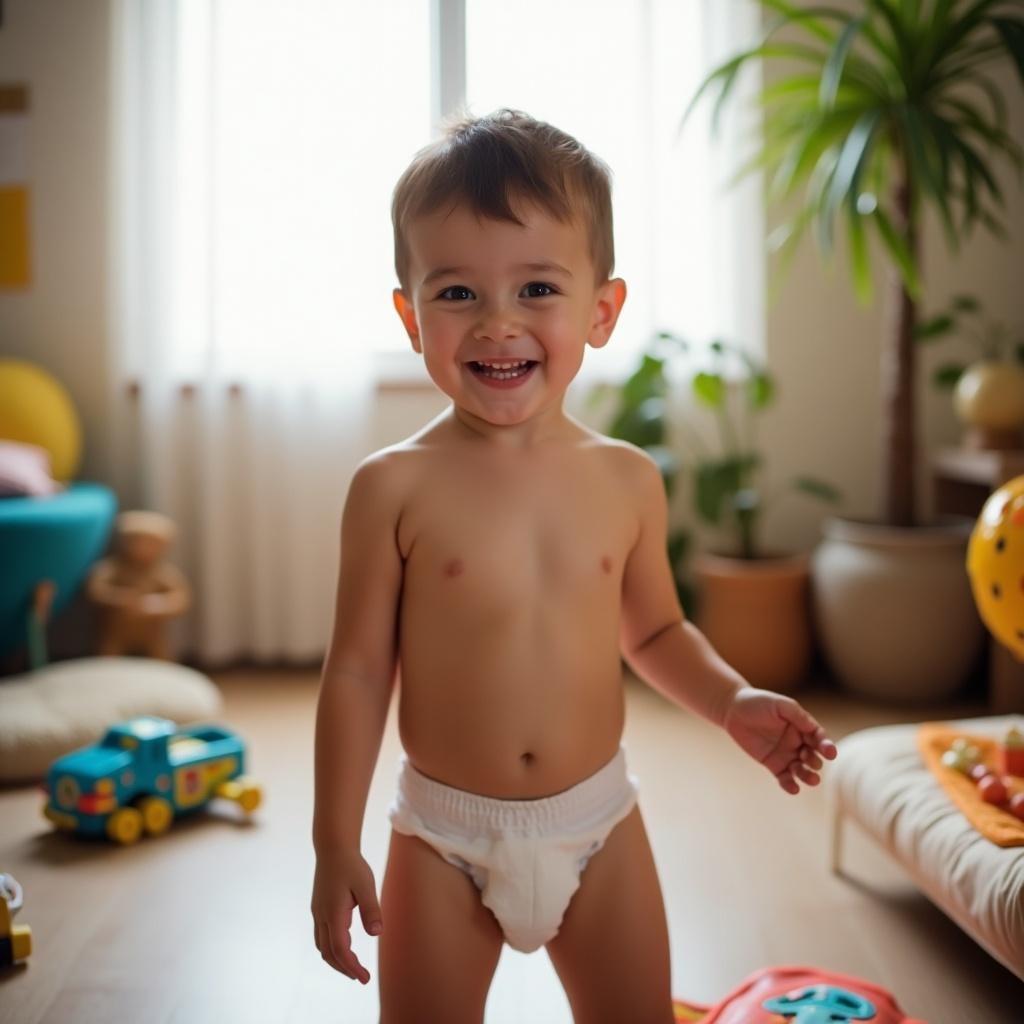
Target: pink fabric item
[{"x": 25, "y": 469}]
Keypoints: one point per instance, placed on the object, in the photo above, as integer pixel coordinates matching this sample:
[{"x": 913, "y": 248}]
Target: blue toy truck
[{"x": 142, "y": 775}]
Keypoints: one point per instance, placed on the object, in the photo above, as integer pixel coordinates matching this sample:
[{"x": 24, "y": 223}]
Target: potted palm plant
[
  {"x": 874, "y": 126},
  {"x": 752, "y": 604}
]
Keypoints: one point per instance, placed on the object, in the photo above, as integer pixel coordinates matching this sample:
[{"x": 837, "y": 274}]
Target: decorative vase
[
  {"x": 989, "y": 401},
  {"x": 894, "y": 610},
  {"x": 756, "y": 614}
]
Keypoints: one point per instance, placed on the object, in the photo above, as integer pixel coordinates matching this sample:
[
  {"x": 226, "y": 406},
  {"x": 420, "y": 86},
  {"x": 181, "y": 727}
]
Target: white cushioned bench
[{"x": 881, "y": 781}]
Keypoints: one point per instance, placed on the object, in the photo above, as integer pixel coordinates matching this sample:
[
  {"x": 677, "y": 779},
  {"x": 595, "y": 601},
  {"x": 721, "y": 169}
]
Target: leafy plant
[
  {"x": 725, "y": 475},
  {"x": 876, "y": 125},
  {"x": 994, "y": 340}
]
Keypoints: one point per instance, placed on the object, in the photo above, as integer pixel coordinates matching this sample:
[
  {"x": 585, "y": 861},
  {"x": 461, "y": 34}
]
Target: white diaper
[{"x": 525, "y": 856}]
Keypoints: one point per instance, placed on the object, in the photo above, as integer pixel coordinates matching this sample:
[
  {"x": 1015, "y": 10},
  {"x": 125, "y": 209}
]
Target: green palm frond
[{"x": 890, "y": 96}]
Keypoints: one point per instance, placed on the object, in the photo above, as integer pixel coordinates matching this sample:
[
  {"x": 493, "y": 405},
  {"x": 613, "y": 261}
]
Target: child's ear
[
  {"x": 610, "y": 298},
  {"x": 408, "y": 315}
]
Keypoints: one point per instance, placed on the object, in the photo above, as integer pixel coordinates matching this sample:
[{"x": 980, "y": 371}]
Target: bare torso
[{"x": 510, "y": 672}]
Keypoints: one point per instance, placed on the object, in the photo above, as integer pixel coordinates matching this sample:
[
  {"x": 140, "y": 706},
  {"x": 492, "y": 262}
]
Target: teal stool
[{"x": 54, "y": 539}]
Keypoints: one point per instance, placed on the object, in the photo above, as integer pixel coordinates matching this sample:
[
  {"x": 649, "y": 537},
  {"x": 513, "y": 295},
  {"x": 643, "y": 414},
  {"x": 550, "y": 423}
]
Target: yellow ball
[
  {"x": 36, "y": 409},
  {"x": 995, "y": 564}
]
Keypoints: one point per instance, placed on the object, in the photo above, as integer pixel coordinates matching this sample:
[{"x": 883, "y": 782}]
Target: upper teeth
[{"x": 505, "y": 366}]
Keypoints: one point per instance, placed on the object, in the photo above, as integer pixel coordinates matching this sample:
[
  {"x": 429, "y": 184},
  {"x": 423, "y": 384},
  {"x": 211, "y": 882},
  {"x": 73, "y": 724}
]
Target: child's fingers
[
  {"x": 326, "y": 947},
  {"x": 369, "y": 911},
  {"x": 341, "y": 943},
  {"x": 806, "y": 775},
  {"x": 810, "y": 758},
  {"x": 813, "y": 734},
  {"x": 787, "y": 782}
]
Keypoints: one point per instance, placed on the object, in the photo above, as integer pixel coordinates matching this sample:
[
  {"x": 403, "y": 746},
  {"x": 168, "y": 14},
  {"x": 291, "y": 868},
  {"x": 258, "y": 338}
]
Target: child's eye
[
  {"x": 541, "y": 284},
  {"x": 453, "y": 288}
]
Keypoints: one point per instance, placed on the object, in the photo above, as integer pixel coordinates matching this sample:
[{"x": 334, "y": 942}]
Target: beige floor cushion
[
  {"x": 68, "y": 704},
  {"x": 880, "y": 780}
]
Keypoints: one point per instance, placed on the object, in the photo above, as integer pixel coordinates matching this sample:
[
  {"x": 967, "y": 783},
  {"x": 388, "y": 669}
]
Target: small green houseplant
[{"x": 735, "y": 387}]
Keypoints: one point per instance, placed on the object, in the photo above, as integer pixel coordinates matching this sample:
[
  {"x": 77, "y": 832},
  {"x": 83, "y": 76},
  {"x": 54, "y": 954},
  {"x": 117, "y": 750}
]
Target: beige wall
[
  {"x": 823, "y": 348},
  {"x": 60, "y": 49}
]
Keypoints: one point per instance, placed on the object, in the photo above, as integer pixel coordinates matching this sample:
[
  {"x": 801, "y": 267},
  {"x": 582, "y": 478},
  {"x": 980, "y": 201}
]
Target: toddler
[{"x": 502, "y": 561}]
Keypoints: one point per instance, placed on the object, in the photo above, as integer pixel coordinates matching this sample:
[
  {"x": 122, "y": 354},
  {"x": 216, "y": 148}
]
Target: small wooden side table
[{"x": 963, "y": 478}]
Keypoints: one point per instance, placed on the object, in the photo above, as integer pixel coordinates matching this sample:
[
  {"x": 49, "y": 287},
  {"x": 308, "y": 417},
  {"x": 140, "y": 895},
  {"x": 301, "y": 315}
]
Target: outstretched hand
[{"x": 776, "y": 731}]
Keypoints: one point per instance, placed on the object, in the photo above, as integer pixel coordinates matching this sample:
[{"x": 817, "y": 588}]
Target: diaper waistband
[{"x": 575, "y": 809}]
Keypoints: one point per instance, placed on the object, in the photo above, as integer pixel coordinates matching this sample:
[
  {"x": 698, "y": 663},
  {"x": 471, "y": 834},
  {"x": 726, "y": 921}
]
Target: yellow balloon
[
  {"x": 995, "y": 564},
  {"x": 36, "y": 409}
]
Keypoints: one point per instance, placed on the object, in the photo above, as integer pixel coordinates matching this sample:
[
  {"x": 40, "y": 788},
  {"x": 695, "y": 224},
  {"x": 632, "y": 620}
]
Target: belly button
[{"x": 527, "y": 758}]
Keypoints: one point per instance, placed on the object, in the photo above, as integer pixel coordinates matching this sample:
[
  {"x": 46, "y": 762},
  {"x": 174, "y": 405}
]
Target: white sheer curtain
[{"x": 255, "y": 151}]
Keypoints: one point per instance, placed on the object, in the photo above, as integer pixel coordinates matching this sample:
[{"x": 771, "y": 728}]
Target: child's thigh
[
  {"x": 440, "y": 945},
  {"x": 611, "y": 952}
]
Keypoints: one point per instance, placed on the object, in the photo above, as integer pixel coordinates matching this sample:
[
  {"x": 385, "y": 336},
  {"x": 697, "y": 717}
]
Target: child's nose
[{"x": 497, "y": 323}]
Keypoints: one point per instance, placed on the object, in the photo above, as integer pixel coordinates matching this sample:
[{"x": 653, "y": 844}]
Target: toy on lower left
[
  {"x": 15, "y": 939},
  {"x": 142, "y": 775}
]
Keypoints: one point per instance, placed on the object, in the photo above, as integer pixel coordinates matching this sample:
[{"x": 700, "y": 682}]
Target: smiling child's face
[{"x": 488, "y": 291}]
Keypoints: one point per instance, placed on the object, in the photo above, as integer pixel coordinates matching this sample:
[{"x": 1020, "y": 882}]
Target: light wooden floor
[{"x": 211, "y": 924}]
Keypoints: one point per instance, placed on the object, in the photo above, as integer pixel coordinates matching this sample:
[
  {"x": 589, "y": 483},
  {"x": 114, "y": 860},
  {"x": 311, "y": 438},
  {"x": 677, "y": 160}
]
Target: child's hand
[
  {"x": 342, "y": 881},
  {"x": 780, "y": 734}
]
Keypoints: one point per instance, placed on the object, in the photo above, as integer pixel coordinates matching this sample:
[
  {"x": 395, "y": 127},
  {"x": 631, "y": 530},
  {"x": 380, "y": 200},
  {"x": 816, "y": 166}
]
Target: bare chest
[{"x": 490, "y": 540}]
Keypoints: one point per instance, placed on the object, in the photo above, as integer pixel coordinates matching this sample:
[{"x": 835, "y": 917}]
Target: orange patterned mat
[{"x": 994, "y": 823}]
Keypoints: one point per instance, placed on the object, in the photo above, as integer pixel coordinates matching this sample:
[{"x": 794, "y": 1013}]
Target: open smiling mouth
[{"x": 505, "y": 374}]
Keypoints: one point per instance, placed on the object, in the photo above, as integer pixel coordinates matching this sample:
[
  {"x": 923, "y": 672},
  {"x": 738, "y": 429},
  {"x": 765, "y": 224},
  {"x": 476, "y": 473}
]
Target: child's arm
[
  {"x": 355, "y": 693},
  {"x": 675, "y": 658}
]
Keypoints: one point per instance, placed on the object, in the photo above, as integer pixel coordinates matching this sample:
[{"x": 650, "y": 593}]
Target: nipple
[
  {"x": 606, "y": 563},
  {"x": 453, "y": 568}
]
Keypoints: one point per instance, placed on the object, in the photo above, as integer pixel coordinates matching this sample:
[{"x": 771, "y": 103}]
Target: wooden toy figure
[{"x": 137, "y": 591}]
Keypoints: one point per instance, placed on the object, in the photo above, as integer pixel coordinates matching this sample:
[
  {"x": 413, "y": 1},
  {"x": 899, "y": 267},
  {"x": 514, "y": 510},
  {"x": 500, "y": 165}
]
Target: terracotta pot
[
  {"x": 894, "y": 609},
  {"x": 756, "y": 614}
]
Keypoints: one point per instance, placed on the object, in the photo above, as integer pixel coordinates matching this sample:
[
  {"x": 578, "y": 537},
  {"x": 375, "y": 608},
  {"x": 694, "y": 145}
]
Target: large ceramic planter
[
  {"x": 895, "y": 615},
  {"x": 757, "y": 616}
]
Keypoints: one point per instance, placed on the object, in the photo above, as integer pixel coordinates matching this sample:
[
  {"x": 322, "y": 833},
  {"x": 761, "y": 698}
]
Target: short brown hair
[{"x": 486, "y": 162}]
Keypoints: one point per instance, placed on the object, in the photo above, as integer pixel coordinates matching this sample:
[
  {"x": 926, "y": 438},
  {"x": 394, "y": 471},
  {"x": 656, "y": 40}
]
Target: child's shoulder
[{"x": 624, "y": 457}]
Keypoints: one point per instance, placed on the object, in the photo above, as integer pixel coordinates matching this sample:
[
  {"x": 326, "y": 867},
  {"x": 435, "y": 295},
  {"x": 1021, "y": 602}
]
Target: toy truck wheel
[
  {"x": 251, "y": 796},
  {"x": 243, "y": 791},
  {"x": 125, "y": 826},
  {"x": 157, "y": 815}
]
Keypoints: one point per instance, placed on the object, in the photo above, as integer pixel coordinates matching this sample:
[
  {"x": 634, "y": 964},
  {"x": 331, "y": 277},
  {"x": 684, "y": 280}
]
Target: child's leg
[
  {"x": 611, "y": 952},
  {"x": 440, "y": 945}
]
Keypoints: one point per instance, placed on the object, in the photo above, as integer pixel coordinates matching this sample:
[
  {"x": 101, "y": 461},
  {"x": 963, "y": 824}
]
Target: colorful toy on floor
[
  {"x": 143, "y": 774},
  {"x": 15, "y": 939},
  {"x": 995, "y": 564},
  {"x": 798, "y": 995}
]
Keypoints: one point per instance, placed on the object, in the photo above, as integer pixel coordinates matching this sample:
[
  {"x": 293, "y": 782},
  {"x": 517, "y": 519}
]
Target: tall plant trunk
[{"x": 899, "y": 455}]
